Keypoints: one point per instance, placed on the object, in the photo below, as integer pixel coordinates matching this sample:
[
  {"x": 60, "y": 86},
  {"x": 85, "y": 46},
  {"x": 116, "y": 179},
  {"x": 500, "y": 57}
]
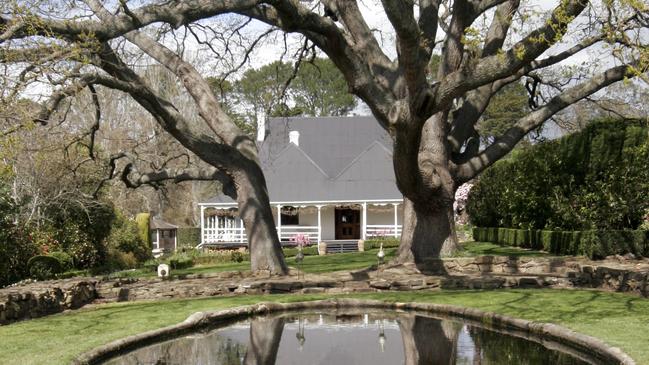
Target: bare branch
[
  {"x": 499, "y": 66},
  {"x": 507, "y": 141}
]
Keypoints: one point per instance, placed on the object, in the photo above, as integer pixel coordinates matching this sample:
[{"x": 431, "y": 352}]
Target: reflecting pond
[{"x": 370, "y": 338}]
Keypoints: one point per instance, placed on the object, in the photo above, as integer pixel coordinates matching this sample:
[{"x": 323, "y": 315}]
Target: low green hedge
[
  {"x": 306, "y": 251},
  {"x": 44, "y": 267},
  {"x": 65, "y": 260},
  {"x": 594, "y": 244},
  {"x": 189, "y": 236},
  {"x": 388, "y": 242}
]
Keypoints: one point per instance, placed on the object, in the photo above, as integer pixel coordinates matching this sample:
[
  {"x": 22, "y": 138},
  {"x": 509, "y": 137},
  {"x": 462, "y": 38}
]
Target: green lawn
[
  {"x": 619, "y": 319},
  {"x": 311, "y": 264},
  {"x": 343, "y": 261},
  {"x": 492, "y": 249}
]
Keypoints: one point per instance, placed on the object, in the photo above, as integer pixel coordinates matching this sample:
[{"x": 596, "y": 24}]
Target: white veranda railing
[
  {"x": 382, "y": 230},
  {"x": 238, "y": 235}
]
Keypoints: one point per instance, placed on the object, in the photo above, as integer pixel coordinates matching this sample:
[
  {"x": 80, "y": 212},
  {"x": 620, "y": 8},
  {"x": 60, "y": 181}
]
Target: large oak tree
[{"x": 481, "y": 49}]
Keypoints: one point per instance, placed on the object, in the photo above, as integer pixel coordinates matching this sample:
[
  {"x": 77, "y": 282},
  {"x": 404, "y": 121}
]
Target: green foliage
[
  {"x": 388, "y": 242},
  {"x": 125, "y": 237},
  {"x": 591, "y": 243},
  {"x": 118, "y": 260},
  {"x": 15, "y": 251},
  {"x": 237, "y": 256},
  {"x": 317, "y": 89},
  {"x": 178, "y": 262},
  {"x": 597, "y": 179},
  {"x": 78, "y": 244},
  {"x": 143, "y": 221},
  {"x": 505, "y": 108},
  {"x": 188, "y": 237},
  {"x": 306, "y": 251},
  {"x": 44, "y": 267},
  {"x": 64, "y": 259}
]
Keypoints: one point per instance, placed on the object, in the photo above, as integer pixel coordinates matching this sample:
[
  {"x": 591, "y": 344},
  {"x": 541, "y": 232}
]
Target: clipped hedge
[
  {"x": 44, "y": 267},
  {"x": 594, "y": 244},
  {"x": 189, "y": 236},
  {"x": 388, "y": 242},
  {"x": 596, "y": 179},
  {"x": 306, "y": 251},
  {"x": 64, "y": 259}
]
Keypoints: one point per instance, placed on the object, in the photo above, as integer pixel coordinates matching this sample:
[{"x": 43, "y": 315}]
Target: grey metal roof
[
  {"x": 338, "y": 158},
  {"x": 157, "y": 223}
]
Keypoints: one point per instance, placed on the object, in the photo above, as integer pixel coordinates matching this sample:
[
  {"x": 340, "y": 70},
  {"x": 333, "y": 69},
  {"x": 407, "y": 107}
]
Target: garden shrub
[
  {"x": 15, "y": 251},
  {"x": 143, "y": 221},
  {"x": 78, "y": 244},
  {"x": 44, "y": 267},
  {"x": 237, "y": 256},
  {"x": 597, "y": 179},
  {"x": 388, "y": 242},
  {"x": 119, "y": 260},
  {"x": 188, "y": 236},
  {"x": 592, "y": 243},
  {"x": 64, "y": 259},
  {"x": 125, "y": 237}
]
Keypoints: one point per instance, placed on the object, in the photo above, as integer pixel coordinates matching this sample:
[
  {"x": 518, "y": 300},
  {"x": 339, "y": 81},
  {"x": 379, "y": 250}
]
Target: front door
[{"x": 348, "y": 224}]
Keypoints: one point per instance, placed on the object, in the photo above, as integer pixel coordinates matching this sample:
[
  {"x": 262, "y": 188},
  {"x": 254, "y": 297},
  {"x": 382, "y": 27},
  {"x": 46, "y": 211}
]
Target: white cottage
[{"x": 328, "y": 178}]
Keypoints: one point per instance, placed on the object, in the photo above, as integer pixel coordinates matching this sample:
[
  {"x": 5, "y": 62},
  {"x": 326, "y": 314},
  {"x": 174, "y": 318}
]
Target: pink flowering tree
[
  {"x": 459, "y": 205},
  {"x": 301, "y": 240}
]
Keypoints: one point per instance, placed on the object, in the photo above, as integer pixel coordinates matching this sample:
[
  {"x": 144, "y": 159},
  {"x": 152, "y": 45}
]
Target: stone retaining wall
[
  {"x": 45, "y": 298},
  {"x": 486, "y": 272}
]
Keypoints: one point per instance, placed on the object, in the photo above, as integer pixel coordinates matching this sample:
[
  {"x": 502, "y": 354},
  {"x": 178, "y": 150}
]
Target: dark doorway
[{"x": 348, "y": 224}]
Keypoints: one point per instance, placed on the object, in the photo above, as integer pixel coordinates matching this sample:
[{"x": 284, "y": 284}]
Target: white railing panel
[
  {"x": 382, "y": 230},
  {"x": 288, "y": 233},
  {"x": 229, "y": 235}
]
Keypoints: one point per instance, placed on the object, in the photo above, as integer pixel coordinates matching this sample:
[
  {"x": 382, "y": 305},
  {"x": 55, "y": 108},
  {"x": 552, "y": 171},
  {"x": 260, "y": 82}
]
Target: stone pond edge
[{"x": 543, "y": 331}]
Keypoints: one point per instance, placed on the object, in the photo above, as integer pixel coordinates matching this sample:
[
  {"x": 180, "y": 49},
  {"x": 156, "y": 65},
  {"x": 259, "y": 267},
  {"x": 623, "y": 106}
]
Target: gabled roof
[
  {"x": 338, "y": 159},
  {"x": 331, "y": 142},
  {"x": 157, "y": 223}
]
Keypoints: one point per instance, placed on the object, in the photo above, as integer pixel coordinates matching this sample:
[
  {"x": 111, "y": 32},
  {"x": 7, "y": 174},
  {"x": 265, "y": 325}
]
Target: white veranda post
[
  {"x": 279, "y": 222},
  {"x": 364, "y": 228},
  {"x": 319, "y": 223},
  {"x": 202, "y": 224},
  {"x": 396, "y": 219}
]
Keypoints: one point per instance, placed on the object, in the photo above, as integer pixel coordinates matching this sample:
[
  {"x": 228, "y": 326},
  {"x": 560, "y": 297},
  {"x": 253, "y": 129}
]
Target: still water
[{"x": 373, "y": 338}]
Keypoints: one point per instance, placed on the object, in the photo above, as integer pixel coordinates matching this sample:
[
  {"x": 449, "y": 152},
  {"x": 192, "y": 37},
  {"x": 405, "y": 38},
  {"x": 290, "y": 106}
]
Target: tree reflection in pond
[{"x": 374, "y": 338}]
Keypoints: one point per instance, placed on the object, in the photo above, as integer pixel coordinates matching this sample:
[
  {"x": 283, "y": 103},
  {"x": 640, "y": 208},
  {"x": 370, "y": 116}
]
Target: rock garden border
[{"x": 544, "y": 331}]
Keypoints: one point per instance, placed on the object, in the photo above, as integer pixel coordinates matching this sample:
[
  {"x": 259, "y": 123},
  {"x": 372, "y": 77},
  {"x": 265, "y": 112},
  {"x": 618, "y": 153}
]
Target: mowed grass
[
  {"x": 620, "y": 320},
  {"x": 344, "y": 261},
  {"x": 470, "y": 249},
  {"x": 312, "y": 264}
]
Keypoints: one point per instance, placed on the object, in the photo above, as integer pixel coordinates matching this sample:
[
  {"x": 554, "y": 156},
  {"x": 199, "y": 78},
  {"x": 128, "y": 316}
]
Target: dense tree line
[{"x": 594, "y": 179}]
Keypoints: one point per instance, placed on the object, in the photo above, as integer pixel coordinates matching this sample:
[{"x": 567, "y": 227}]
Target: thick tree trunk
[
  {"x": 428, "y": 233},
  {"x": 426, "y": 180},
  {"x": 254, "y": 209},
  {"x": 265, "y": 336},
  {"x": 428, "y": 341}
]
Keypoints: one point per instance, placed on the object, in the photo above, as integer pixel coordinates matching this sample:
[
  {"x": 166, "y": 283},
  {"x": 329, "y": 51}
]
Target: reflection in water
[{"x": 374, "y": 338}]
